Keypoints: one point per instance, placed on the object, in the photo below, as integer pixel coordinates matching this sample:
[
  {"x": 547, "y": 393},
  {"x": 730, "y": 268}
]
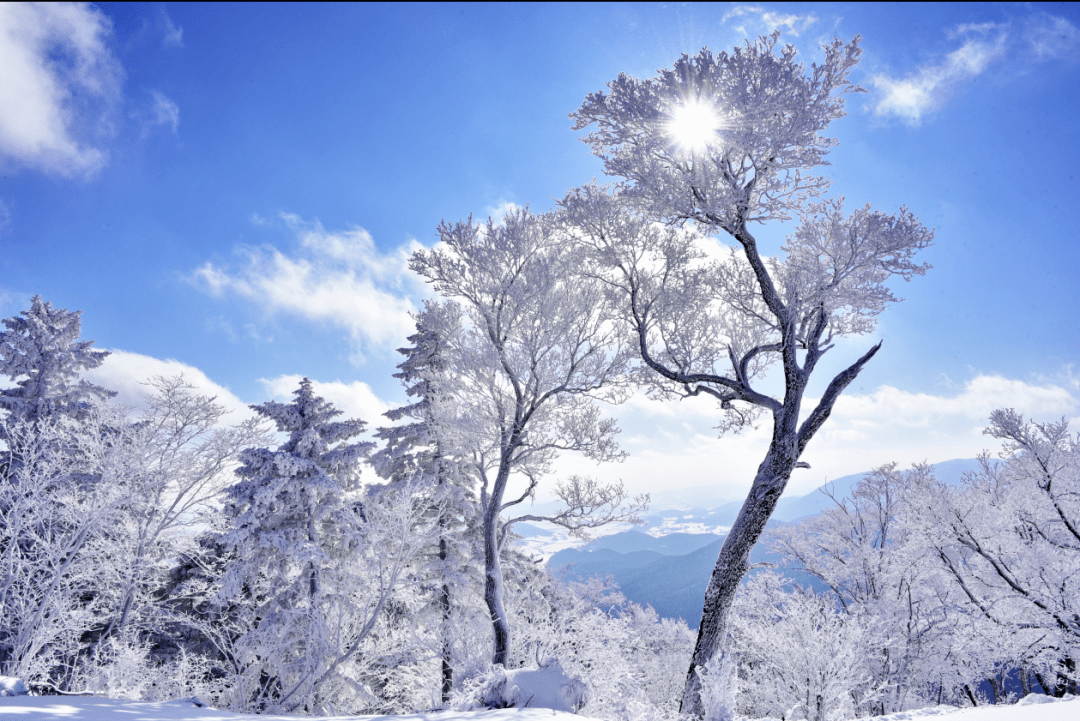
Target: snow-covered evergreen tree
[
  {"x": 423, "y": 449},
  {"x": 58, "y": 442},
  {"x": 42, "y": 353},
  {"x": 311, "y": 563}
]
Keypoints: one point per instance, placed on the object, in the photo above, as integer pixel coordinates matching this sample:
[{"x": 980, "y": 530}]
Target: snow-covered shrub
[
  {"x": 11, "y": 686},
  {"x": 800, "y": 655},
  {"x": 543, "y": 686},
  {"x": 718, "y": 688},
  {"x": 125, "y": 666},
  {"x": 632, "y": 661}
]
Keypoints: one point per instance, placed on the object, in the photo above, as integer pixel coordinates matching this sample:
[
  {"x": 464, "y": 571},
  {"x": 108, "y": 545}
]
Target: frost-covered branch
[{"x": 589, "y": 504}]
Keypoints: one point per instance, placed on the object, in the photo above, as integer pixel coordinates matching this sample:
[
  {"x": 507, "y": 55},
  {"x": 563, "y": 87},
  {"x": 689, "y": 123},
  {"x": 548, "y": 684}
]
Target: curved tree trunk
[{"x": 731, "y": 565}]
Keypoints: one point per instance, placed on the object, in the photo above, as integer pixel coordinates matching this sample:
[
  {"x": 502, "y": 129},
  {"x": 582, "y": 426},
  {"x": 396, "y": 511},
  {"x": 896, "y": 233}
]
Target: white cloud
[
  {"x": 498, "y": 211},
  {"x": 1050, "y": 37},
  {"x": 922, "y": 91},
  {"x": 795, "y": 24},
  {"x": 867, "y": 430},
  {"x": 337, "y": 277},
  {"x": 740, "y": 10},
  {"x": 130, "y": 373},
  {"x": 790, "y": 23},
  {"x": 164, "y": 111},
  {"x": 672, "y": 445},
  {"x": 173, "y": 35},
  {"x": 354, "y": 400},
  {"x": 58, "y": 85},
  {"x": 1039, "y": 36}
]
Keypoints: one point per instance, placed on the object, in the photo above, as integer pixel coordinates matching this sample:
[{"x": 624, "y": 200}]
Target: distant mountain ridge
[{"x": 671, "y": 570}]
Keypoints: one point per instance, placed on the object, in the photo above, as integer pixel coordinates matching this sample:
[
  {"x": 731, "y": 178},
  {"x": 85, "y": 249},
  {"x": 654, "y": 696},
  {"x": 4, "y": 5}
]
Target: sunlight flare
[{"x": 693, "y": 125}]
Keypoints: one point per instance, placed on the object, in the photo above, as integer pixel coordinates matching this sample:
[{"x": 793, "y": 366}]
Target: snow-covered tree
[
  {"x": 709, "y": 147},
  {"x": 422, "y": 450},
  {"x": 535, "y": 345},
  {"x": 42, "y": 353},
  {"x": 800, "y": 655},
  {"x": 56, "y": 504},
  {"x": 311, "y": 563},
  {"x": 1009, "y": 539},
  {"x": 91, "y": 521},
  {"x": 869, "y": 550},
  {"x": 185, "y": 458}
]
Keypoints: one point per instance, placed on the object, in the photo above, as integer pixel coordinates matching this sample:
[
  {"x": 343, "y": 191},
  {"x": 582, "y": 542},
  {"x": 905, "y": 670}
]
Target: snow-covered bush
[
  {"x": 718, "y": 688},
  {"x": 800, "y": 655},
  {"x": 125, "y": 666},
  {"x": 632, "y": 661},
  {"x": 11, "y": 686},
  {"x": 543, "y": 686}
]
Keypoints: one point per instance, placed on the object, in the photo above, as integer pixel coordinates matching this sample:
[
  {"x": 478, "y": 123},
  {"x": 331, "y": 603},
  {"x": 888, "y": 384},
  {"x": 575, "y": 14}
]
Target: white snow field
[{"x": 92, "y": 708}]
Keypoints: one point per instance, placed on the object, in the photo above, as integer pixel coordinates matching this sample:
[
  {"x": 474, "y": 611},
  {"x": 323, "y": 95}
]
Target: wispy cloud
[
  {"x": 755, "y": 18},
  {"x": 1040, "y": 36},
  {"x": 1051, "y": 38},
  {"x": 911, "y": 97},
  {"x": 59, "y": 84},
  {"x": 172, "y": 35},
  {"x": 163, "y": 111},
  {"x": 335, "y": 277},
  {"x": 742, "y": 10},
  {"x": 793, "y": 24}
]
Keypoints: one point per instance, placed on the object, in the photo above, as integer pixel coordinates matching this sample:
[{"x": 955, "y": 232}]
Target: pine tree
[
  {"x": 295, "y": 519},
  {"x": 43, "y": 349},
  {"x": 421, "y": 450}
]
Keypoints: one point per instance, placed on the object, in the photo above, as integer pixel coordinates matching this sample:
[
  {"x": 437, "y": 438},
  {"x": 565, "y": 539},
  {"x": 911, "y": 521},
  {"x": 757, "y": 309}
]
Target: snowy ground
[{"x": 78, "y": 708}]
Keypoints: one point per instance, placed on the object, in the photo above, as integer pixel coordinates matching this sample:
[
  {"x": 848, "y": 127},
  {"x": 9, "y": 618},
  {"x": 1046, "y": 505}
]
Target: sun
[{"x": 693, "y": 126}]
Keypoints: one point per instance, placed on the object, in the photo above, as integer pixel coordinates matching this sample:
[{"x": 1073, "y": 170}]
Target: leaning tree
[{"x": 709, "y": 147}]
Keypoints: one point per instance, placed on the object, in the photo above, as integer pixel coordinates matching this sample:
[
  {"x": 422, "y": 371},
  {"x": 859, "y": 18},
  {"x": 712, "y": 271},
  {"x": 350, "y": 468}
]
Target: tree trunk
[
  {"x": 731, "y": 565},
  {"x": 493, "y": 583},
  {"x": 444, "y": 602}
]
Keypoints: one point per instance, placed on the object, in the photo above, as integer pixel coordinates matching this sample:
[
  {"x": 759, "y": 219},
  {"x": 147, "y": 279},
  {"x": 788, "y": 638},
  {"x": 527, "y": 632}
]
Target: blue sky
[{"x": 232, "y": 190}]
